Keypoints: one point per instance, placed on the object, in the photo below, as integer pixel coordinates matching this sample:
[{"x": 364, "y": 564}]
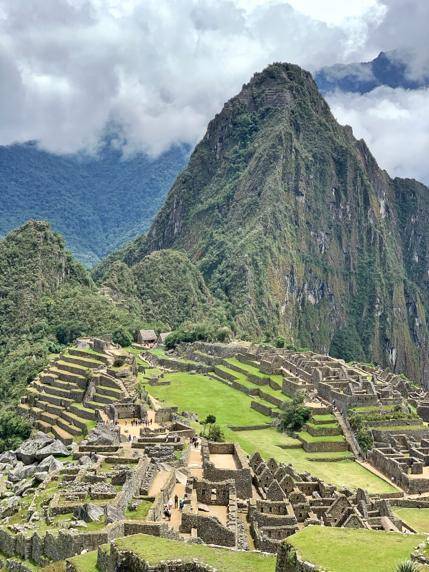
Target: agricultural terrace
[{"x": 203, "y": 395}]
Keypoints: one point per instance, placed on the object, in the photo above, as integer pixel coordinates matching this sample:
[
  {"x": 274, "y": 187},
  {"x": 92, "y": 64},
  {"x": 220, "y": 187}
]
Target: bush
[
  {"x": 13, "y": 430},
  {"x": 215, "y": 433},
  {"x": 295, "y": 415},
  {"x": 407, "y": 566},
  {"x": 364, "y": 438},
  {"x": 122, "y": 337},
  {"x": 280, "y": 342}
]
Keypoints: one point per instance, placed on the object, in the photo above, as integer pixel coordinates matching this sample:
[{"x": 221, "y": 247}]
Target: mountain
[
  {"x": 46, "y": 300},
  {"x": 392, "y": 69},
  {"x": 97, "y": 203},
  {"x": 297, "y": 231}
]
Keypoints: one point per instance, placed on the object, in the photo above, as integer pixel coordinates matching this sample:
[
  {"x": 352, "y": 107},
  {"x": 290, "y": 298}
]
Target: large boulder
[
  {"x": 21, "y": 472},
  {"x": 56, "y": 449},
  {"x": 9, "y": 506},
  {"x": 26, "y": 452},
  {"x": 89, "y": 512},
  {"x": 113, "y": 513},
  {"x": 50, "y": 464},
  {"x": 8, "y": 458},
  {"x": 103, "y": 435}
]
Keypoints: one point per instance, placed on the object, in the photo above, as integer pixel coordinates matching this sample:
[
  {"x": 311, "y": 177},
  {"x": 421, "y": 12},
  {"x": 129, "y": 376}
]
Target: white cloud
[
  {"x": 161, "y": 69},
  {"x": 394, "y": 124}
]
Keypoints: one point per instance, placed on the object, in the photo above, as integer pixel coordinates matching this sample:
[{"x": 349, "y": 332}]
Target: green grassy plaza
[
  {"x": 346, "y": 549},
  {"x": 154, "y": 549},
  {"x": 204, "y": 395}
]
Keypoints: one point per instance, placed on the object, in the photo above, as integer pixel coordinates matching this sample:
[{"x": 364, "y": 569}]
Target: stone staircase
[{"x": 56, "y": 399}]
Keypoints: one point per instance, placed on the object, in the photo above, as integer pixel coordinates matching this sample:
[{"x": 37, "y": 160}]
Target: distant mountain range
[
  {"x": 96, "y": 203},
  {"x": 100, "y": 203},
  {"x": 391, "y": 69}
]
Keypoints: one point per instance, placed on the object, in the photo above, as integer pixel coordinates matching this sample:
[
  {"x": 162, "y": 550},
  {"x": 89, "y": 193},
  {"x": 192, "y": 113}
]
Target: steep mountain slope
[
  {"x": 392, "y": 69},
  {"x": 297, "y": 230},
  {"x": 46, "y": 299},
  {"x": 97, "y": 203}
]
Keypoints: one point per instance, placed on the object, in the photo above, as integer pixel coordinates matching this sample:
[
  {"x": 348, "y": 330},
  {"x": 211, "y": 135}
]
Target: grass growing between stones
[
  {"x": 154, "y": 549},
  {"x": 85, "y": 562},
  {"x": 141, "y": 511},
  {"x": 204, "y": 396},
  {"x": 417, "y": 518},
  {"x": 345, "y": 549}
]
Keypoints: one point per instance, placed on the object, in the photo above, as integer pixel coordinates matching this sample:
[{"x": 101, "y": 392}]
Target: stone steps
[
  {"x": 43, "y": 426},
  {"x": 72, "y": 368},
  {"x": 44, "y": 388},
  {"x": 110, "y": 391},
  {"x": 88, "y": 355},
  {"x": 68, "y": 427},
  {"x": 103, "y": 399},
  {"x": 48, "y": 417},
  {"x": 60, "y": 384},
  {"x": 79, "y": 380},
  {"x": 55, "y": 400},
  {"x": 50, "y": 408},
  {"x": 83, "y": 362},
  {"x": 63, "y": 435},
  {"x": 74, "y": 419},
  {"x": 85, "y": 412}
]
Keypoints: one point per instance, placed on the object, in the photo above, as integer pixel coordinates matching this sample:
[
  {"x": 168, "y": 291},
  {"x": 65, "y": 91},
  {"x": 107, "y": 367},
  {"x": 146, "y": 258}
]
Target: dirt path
[{"x": 158, "y": 483}]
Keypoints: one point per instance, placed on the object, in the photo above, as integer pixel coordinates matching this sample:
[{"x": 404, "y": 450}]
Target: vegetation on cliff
[
  {"x": 46, "y": 300},
  {"x": 297, "y": 231}
]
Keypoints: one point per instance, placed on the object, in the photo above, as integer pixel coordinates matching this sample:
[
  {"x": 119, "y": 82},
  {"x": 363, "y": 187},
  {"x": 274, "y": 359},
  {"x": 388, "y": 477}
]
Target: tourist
[
  {"x": 181, "y": 503},
  {"x": 170, "y": 504},
  {"x": 176, "y": 501}
]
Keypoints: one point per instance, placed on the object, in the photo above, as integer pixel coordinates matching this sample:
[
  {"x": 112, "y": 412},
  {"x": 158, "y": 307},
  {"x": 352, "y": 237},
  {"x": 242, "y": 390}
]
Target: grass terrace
[
  {"x": 155, "y": 549},
  {"x": 204, "y": 395},
  {"x": 417, "y": 518},
  {"x": 346, "y": 549}
]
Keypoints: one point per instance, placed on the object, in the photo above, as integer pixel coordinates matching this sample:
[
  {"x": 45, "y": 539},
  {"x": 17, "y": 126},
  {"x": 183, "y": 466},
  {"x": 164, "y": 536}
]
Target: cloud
[
  {"x": 395, "y": 125},
  {"x": 157, "y": 68},
  {"x": 160, "y": 70}
]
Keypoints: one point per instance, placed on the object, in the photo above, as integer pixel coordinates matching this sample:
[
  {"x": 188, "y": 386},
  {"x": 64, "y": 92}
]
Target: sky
[{"x": 159, "y": 70}]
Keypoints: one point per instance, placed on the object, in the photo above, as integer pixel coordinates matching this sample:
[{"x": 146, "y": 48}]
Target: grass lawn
[
  {"x": 417, "y": 518},
  {"x": 346, "y": 549},
  {"x": 153, "y": 549},
  {"x": 340, "y": 473},
  {"x": 85, "y": 562},
  {"x": 321, "y": 439},
  {"x": 203, "y": 395},
  {"x": 244, "y": 380}
]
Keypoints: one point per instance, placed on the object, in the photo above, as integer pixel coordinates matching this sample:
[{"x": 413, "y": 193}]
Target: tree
[
  {"x": 13, "y": 430},
  {"x": 295, "y": 415},
  {"x": 123, "y": 337},
  {"x": 215, "y": 433},
  {"x": 209, "y": 420}
]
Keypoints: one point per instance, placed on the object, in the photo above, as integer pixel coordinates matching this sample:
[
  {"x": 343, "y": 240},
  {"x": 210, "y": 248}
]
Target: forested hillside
[
  {"x": 297, "y": 231},
  {"x": 97, "y": 203}
]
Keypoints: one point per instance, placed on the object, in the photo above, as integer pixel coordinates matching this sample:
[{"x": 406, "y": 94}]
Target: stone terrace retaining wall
[{"x": 288, "y": 560}]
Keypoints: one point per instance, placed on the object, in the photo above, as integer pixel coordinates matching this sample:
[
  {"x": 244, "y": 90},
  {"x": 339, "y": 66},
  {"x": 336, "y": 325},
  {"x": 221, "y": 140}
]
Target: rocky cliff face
[{"x": 298, "y": 231}]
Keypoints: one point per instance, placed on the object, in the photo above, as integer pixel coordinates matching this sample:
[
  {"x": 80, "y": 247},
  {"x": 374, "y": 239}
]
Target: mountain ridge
[{"x": 296, "y": 229}]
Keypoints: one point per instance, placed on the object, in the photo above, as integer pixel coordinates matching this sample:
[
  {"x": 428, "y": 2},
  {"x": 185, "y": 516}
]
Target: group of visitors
[
  {"x": 195, "y": 441},
  {"x": 178, "y": 503}
]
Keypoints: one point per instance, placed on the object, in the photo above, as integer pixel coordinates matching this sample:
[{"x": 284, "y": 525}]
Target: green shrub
[
  {"x": 215, "y": 433},
  {"x": 295, "y": 415},
  {"x": 280, "y": 342},
  {"x": 407, "y": 566},
  {"x": 13, "y": 429},
  {"x": 122, "y": 337}
]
